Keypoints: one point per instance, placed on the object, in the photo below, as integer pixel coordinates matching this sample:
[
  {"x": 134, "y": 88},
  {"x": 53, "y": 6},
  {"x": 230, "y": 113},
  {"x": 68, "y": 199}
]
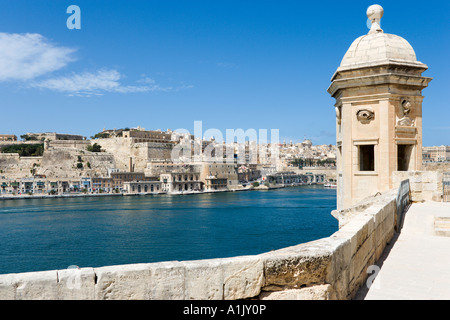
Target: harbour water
[{"x": 49, "y": 234}]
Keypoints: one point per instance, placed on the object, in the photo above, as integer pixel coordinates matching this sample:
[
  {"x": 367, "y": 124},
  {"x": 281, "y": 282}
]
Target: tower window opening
[
  {"x": 367, "y": 157},
  {"x": 403, "y": 157}
]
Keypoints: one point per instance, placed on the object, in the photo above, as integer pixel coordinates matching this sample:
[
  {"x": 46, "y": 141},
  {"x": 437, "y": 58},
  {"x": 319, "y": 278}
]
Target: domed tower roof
[{"x": 377, "y": 47}]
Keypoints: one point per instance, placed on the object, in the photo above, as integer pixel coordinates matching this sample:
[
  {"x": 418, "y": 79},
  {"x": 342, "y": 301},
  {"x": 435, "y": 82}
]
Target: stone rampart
[
  {"x": 141, "y": 153},
  {"x": 330, "y": 268},
  {"x": 61, "y": 163},
  {"x": 13, "y": 166},
  {"x": 71, "y": 144}
]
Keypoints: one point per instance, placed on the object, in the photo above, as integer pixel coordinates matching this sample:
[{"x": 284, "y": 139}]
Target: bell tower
[{"x": 378, "y": 91}]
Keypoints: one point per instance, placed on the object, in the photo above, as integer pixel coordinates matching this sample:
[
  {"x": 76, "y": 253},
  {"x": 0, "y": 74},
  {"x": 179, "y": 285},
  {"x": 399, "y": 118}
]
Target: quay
[
  {"x": 125, "y": 194},
  {"x": 49, "y": 196}
]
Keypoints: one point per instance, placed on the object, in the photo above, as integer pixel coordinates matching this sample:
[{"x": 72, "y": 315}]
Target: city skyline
[{"x": 231, "y": 65}]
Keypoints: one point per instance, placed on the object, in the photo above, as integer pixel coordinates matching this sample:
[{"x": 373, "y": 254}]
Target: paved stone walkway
[{"x": 416, "y": 264}]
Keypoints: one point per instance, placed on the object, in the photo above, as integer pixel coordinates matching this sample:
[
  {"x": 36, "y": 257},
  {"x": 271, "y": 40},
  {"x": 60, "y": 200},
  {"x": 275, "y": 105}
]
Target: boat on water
[{"x": 330, "y": 185}]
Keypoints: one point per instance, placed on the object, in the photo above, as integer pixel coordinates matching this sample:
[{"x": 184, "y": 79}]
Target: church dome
[
  {"x": 377, "y": 47},
  {"x": 307, "y": 142}
]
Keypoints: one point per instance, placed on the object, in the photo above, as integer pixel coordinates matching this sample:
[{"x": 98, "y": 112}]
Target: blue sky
[{"x": 230, "y": 64}]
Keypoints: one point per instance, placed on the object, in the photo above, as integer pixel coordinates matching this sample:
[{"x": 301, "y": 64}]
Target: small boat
[{"x": 330, "y": 185}]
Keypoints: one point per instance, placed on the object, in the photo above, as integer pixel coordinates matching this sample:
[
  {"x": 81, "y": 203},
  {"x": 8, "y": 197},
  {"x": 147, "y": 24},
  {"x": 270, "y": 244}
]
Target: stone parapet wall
[
  {"x": 424, "y": 185},
  {"x": 330, "y": 268}
]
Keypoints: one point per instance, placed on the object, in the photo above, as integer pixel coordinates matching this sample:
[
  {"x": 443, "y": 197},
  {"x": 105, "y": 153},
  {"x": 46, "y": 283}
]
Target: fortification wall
[
  {"x": 120, "y": 148},
  {"x": 144, "y": 152},
  {"x": 141, "y": 153},
  {"x": 62, "y": 163},
  {"x": 331, "y": 268},
  {"x": 75, "y": 144},
  {"x": 58, "y": 161},
  {"x": 15, "y": 167}
]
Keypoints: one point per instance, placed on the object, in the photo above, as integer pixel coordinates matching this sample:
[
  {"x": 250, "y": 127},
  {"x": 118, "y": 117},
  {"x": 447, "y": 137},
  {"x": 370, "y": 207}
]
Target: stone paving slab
[{"x": 415, "y": 265}]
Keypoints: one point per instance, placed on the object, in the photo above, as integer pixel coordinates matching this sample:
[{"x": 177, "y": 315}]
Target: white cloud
[
  {"x": 87, "y": 84},
  {"x": 31, "y": 58},
  {"x": 30, "y": 55}
]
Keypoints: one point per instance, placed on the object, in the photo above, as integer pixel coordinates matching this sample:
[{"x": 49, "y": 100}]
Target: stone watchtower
[{"x": 378, "y": 92}]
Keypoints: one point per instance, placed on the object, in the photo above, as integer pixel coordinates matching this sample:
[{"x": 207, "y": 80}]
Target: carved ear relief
[
  {"x": 405, "y": 120},
  {"x": 338, "y": 115}
]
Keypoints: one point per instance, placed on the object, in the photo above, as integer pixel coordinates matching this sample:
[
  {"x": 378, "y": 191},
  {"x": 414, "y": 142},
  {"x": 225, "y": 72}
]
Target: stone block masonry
[
  {"x": 425, "y": 185},
  {"x": 330, "y": 268}
]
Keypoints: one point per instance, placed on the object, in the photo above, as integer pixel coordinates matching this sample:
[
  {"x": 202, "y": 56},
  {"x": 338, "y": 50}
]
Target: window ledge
[{"x": 366, "y": 173}]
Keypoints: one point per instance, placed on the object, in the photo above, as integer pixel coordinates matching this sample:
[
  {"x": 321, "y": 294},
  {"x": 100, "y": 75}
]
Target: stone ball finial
[
  {"x": 375, "y": 11},
  {"x": 374, "y": 14}
]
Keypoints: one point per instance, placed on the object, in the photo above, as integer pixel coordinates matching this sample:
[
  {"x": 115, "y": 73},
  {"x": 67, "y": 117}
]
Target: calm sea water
[{"x": 49, "y": 234}]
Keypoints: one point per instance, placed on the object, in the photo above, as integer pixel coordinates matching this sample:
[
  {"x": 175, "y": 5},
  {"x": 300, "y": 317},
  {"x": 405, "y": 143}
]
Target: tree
[
  {"x": 25, "y": 150},
  {"x": 101, "y": 135},
  {"x": 94, "y": 148},
  {"x": 27, "y": 137}
]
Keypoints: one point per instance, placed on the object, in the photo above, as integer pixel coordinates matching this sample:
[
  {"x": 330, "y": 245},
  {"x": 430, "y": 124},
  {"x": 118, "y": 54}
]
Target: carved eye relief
[{"x": 365, "y": 115}]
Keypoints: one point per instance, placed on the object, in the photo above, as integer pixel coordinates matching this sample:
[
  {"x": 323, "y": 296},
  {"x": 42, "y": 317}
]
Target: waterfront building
[
  {"x": 315, "y": 178},
  {"x": 295, "y": 178},
  {"x": 436, "y": 154},
  {"x": 195, "y": 176},
  {"x": 378, "y": 91},
  {"x": 181, "y": 178},
  {"x": 8, "y": 187},
  {"x": 136, "y": 187},
  {"x": 101, "y": 184},
  {"x": 118, "y": 178},
  {"x": 75, "y": 185},
  {"x": 219, "y": 175},
  {"x": 86, "y": 183},
  {"x": 286, "y": 178},
  {"x": 249, "y": 172},
  {"x": 212, "y": 183},
  {"x": 29, "y": 185}
]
